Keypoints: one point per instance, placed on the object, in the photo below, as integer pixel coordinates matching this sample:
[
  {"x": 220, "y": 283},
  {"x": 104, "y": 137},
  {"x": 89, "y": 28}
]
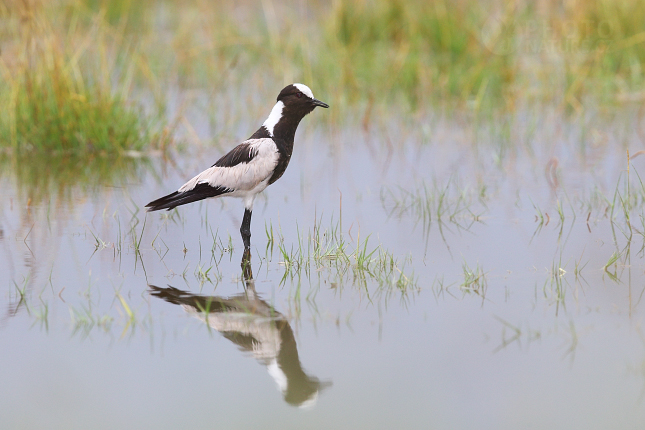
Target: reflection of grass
[
  {"x": 42, "y": 177},
  {"x": 440, "y": 204}
]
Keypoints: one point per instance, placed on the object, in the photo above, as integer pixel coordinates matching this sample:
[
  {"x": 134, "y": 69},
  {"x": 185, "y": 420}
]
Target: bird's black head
[{"x": 294, "y": 102}]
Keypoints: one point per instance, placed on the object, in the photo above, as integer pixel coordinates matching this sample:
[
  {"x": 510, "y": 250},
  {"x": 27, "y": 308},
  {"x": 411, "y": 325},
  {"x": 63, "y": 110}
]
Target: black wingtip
[
  {"x": 166, "y": 202},
  {"x": 200, "y": 192}
]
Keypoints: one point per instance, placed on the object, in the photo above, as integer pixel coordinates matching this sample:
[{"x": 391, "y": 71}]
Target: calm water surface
[{"x": 491, "y": 299}]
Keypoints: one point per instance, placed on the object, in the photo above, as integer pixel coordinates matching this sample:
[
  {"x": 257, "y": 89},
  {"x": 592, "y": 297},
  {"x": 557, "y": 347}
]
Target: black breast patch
[{"x": 284, "y": 157}]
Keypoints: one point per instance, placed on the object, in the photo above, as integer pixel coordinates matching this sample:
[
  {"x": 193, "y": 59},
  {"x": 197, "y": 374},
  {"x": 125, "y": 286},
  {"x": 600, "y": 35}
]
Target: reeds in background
[
  {"x": 75, "y": 74},
  {"x": 467, "y": 54},
  {"x": 67, "y": 84}
]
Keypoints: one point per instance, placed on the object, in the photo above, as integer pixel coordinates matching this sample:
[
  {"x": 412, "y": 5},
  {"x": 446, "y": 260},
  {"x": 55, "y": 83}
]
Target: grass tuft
[{"x": 67, "y": 88}]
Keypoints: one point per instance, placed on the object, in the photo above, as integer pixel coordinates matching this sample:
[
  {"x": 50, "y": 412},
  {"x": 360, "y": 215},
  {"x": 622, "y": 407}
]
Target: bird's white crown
[{"x": 305, "y": 90}]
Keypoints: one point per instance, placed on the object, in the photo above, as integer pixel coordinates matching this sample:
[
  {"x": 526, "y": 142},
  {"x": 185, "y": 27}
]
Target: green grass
[
  {"x": 349, "y": 261},
  {"x": 440, "y": 204},
  {"x": 67, "y": 88},
  {"x": 70, "y": 69},
  {"x": 463, "y": 53},
  {"x": 417, "y": 49},
  {"x": 474, "y": 280}
]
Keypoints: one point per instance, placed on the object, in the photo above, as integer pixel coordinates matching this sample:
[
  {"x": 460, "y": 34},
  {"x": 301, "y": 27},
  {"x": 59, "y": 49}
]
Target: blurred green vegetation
[
  {"x": 464, "y": 53},
  {"x": 75, "y": 72},
  {"x": 421, "y": 50},
  {"x": 66, "y": 85}
]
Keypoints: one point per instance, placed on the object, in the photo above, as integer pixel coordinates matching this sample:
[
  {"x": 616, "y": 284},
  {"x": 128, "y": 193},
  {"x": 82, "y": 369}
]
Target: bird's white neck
[{"x": 274, "y": 117}]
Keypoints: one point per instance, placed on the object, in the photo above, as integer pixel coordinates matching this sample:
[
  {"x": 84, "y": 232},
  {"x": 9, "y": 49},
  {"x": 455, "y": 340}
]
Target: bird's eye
[{"x": 298, "y": 94}]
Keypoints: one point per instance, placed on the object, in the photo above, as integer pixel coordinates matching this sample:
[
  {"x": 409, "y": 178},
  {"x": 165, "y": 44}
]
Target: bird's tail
[{"x": 178, "y": 198}]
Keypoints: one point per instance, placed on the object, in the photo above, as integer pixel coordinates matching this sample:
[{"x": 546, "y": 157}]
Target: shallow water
[{"x": 488, "y": 301}]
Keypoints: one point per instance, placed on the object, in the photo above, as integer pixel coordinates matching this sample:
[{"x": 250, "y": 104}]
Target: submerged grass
[
  {"x": 346, "y": 260},
  {"x": 439, "y": 204}
]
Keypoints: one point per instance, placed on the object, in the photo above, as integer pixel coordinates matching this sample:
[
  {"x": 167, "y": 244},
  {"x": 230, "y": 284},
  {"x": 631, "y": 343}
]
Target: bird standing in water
[{"x": 254, "y": 164}]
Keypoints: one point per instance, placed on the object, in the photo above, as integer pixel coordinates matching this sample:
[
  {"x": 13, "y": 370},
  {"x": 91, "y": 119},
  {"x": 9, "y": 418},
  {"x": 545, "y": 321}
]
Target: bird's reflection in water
[{"x": 256, "y": 327}]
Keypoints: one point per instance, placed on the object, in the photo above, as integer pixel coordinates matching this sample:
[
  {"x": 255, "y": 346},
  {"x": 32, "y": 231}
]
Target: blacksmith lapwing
[{"x": 254, "y": 164}]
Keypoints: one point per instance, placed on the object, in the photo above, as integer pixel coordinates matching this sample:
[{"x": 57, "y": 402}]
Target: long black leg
[{"x": 245, "y": 230}]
